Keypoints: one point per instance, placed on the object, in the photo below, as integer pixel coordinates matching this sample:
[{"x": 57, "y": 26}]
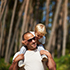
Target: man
[{"x": 32, "y": 58}]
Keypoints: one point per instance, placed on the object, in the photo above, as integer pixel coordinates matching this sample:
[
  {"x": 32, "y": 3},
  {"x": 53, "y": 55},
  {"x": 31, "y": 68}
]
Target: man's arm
[
  {"x": 51, "y": 63},
  {"x": 19, "y": 57},
  {"x": 14, "y": 65}
]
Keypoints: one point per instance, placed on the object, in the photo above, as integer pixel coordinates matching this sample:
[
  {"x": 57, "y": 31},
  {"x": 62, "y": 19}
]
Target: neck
[{"x": 32, "y": 49}]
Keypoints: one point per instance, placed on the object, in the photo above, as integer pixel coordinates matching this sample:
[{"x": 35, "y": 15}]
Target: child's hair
[{"x": 40, "y": 28}]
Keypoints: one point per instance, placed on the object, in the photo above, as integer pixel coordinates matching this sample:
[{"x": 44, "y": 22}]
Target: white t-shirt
[
  {"x": 32, "y": 60},
  {"x": 42, "y": 40}
]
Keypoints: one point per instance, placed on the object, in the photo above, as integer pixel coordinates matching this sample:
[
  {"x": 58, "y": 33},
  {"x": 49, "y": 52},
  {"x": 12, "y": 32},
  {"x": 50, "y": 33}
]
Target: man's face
[{"x": 31, "y": 41}]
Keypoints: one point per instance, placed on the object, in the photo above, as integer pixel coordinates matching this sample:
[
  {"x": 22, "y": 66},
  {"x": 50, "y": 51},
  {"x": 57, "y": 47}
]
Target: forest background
[{"x": 19, "y": 16}]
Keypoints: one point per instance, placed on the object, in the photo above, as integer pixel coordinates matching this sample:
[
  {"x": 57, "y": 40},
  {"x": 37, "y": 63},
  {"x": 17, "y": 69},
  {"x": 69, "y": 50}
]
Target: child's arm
[{"x": 39, "y": 43}]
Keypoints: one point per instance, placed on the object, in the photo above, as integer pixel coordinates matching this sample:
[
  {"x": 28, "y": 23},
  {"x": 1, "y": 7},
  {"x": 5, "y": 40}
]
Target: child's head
[{"x": 40, "y": 30}]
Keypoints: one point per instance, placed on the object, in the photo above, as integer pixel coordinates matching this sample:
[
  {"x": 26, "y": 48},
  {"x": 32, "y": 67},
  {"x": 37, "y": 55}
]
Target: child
[{"x": 40, "y": 31}]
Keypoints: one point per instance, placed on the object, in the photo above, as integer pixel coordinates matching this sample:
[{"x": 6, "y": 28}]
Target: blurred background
[{"x": 19, "y": 16}]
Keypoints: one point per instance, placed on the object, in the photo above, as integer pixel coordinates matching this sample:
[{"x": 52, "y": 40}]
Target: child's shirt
[{"x": 42, "y": 40}]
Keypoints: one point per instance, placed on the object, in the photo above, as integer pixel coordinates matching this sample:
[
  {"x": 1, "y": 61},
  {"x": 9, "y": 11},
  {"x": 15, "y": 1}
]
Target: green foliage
[
  {"x": 63, "y": 63},
  {"x": 3, "y": 65}
]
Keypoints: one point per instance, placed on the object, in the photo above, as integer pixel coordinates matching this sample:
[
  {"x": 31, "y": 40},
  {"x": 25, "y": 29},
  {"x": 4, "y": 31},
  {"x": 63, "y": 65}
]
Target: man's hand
[
  {"x": 45, "y": 52},
  {"x": 51, "y": 63}
]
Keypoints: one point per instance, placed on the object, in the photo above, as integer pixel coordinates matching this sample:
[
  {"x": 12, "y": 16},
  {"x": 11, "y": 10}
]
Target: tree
[
  {"x": 2, "y": 30},
  {"x": 1, "y": 15},
  {"x": 47, "y": 12},
  {"x": 59, "y": 33},
  {"x": 54, "y": 24},
  {"x": 24, "y": 22},
  {"x": 15, "y": 31},
  {"x": 16, "y": 42},
  {"x": 53, "y": 44},
  {"x": 10, "y": 31},
  {"x": 65, "y": 28}
]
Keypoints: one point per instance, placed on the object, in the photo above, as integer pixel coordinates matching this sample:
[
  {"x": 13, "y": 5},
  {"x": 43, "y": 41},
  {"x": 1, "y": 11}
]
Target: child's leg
[
  {"x": 15, "y": 55},
  {"x": 40, "y": 47},
  {"x": 19, "y": 58},
  {"x": 21, "y": 62},
  {"x": 44, "y": 57}
]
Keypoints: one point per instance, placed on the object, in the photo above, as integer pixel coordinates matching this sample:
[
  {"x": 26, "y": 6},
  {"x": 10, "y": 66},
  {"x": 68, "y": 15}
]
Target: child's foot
[
  {"x": 44, "y": 58},
  {"x": 21, "y": 63}
]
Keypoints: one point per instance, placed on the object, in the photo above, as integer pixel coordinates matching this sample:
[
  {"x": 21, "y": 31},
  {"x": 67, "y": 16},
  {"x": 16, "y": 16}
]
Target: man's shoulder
[{"x": 22, "y": 47}]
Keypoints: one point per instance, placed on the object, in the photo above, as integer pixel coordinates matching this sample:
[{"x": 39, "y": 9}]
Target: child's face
[{"x": 38, "y": 35}]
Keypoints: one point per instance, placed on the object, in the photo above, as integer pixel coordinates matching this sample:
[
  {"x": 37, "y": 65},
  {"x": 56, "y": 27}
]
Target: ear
[
  {"x": 24, "y": 42},
  {"x": 35, "y": 31}
]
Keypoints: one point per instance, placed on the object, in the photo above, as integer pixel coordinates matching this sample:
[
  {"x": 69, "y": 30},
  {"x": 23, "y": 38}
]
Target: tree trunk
[
  {"x": 2, "y": 3},
  {"x": 47, "y": 12},
  {"x": 1, "y": 15},
  {"x": 27, "y": 22},
  {"x": 65, "y": 28},
  {"x": 16, "y": 42},
  {"x": 24, "y": 22},
  {"x": 1, "y": 12},
  {"x": 2, "y": 30},
  {"x": 59, "y": 34},
  {"x": 53, "y": 45},
  {"x": 16, "y": 29},
  {"x": 30, "y": 14},
  {"x": 47, "y": 18},
  {"x": 34, "y": 25},
  {"x": 37, "y": 11},
  {"x": 59, "y": 42},
  {"x": 3, "y": 45},
  {"x": 10, "y": 31},
  {"x": 54, "y": 24}
]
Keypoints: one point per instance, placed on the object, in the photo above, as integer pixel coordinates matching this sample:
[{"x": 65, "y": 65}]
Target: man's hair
[
  {"x": 40, "y": 28},
  {"x": 24, "y": 35}
]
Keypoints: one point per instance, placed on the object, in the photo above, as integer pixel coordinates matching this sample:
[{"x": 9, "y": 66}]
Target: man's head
[
  {"x": 40, "y": 30},
  {"x": 30, "y": 41}
]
